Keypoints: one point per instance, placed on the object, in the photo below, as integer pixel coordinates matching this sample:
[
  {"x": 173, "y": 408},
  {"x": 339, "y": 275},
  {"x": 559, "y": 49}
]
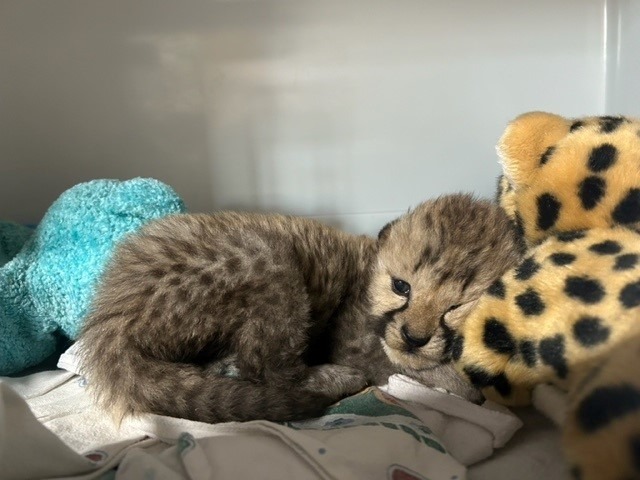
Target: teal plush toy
[{"x": 48, "y": 275}]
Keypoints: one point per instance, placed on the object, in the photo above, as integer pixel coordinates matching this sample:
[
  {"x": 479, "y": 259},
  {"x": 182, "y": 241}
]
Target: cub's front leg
[{"x": 337, "y": 381}]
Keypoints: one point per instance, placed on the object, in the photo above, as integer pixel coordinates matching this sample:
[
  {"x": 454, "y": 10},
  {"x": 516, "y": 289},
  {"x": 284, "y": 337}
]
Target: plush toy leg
[
  {"x": 602, "y": 434},
  {"x": 22, "y": 342}
]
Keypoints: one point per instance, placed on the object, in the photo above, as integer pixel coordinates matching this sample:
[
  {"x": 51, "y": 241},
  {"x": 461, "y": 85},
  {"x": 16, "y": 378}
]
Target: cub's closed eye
[
  {"x": 453, "y": 307},
  {"x": 400, "y": 287}
]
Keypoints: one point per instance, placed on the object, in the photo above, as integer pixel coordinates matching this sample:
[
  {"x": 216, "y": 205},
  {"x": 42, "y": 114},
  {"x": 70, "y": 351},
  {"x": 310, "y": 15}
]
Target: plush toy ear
[{"x": 527, "y": 142}]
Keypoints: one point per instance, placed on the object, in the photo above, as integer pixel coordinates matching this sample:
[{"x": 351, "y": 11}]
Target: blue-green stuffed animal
[{"x": 48, "y": 275}]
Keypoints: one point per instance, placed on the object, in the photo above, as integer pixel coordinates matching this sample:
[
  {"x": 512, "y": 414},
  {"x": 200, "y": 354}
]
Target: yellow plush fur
[{"x": 570, "y": 313}]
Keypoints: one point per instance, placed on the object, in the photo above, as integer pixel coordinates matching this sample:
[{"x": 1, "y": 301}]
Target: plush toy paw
[
  {"x": 570, "y": 313},
  {"x": 47, "y": 286},
  {"x": 602, "y": 431}
]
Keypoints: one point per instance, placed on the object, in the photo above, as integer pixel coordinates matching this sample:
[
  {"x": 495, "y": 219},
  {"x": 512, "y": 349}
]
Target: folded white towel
[{"x": 470, "y": 432}]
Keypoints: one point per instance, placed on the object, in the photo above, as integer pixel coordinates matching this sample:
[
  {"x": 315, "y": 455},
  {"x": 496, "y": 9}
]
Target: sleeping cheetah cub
[
  {"x": 235, "y": 316},
  {"x": 432, "y": 266}
]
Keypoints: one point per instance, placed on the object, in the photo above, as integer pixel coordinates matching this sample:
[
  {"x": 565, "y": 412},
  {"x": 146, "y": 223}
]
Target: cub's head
[
  {"x": 432, "y": 265},
  {"x": 562, "y": 175}
]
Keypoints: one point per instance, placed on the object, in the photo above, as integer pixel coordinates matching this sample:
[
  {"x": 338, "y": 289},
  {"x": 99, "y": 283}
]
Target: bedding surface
[
  {"x": 50, "y": 428},
  {"x": 369, "y": 435}
]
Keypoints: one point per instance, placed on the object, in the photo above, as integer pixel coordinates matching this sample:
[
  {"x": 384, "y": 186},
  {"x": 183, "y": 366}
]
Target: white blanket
[{"x": 368, "y": 436}]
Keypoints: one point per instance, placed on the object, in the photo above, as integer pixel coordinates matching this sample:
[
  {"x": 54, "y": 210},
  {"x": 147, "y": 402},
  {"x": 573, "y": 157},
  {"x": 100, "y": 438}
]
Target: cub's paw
[{"x": 334, "y": 380}]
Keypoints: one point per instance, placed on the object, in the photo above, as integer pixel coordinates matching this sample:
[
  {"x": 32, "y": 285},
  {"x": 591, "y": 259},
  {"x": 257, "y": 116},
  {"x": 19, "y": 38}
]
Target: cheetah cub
[
  {"x": 236, "y": 316},
  {"x": 233, "y": 317},
  {"x": 432, "y": 266}
]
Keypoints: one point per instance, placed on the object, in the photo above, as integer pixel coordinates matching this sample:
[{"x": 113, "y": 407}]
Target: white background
[{"x": 350, "y": 111}]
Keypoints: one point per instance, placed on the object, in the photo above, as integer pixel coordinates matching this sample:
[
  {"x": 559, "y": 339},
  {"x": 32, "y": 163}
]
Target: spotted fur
[
  {"x": 447, "y": 251},
  {"x": 232, "y": 317},
  {"x": 569, "y": 314}
]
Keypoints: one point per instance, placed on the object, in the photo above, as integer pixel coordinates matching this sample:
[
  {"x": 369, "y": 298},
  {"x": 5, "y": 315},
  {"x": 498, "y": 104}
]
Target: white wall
[
  {"x": 347, "y": 110},
  {"x": 623, "y": 57}
]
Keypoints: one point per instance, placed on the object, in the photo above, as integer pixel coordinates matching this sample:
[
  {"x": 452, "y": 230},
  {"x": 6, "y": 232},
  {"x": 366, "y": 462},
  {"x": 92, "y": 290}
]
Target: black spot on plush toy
[{"x": 570, "y": 313}]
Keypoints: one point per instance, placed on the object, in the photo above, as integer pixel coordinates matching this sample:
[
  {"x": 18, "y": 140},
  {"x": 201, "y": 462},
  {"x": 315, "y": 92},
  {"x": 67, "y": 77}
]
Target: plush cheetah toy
[{"x": 570, "y": 313}]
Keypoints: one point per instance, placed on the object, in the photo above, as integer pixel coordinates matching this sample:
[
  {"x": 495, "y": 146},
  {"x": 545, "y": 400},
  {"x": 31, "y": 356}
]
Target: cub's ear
[
  {"x": 384, "y": 233},
  {"x": 526, "y": 143}
]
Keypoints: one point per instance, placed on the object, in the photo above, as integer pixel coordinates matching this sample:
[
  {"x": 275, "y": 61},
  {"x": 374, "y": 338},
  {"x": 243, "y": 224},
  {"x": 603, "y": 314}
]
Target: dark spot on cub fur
[
  {"x": 627, "y": 261},
  {"x": 183, "y": 294},
  {"x": 552, "y": 354},
  {"x": 457, "y": 345},
  {"x": 259, "y": 266},
  {"x": 585, "y": 289},
  {"x": 609, "y": 124},
  {"x": 497, "y": 338},
  {"x": 562, "y": 258},
  {"x": 591, "y": 190},
  {"x": 548, "y": 211},
  {"x": 211, "y": 255},
  {"x": 206, "y": 279},
  {"x": 527, "y": 269},
  {"x": 547, "y": 154},
  {"x": 194, "y": 271},
  {"x": 157, "y": 273},
  {"x": 628, "y": 210},
  {"x": 605, "y": 405},
  {"x": 528, "y": 352},
  {"x": 449, "y": 338},
  {"x": 233, "y": 264},
  {"x": 384, "y": 232},
  {"x": 470, "y": 276},
  {"x": 571, "y": 236},
  {"x": 426, "y": 258},
  {"x": 590, "y": 331},
  {"x": 519, "y": 225},
  {"x": 608, "y": 247},
  {"x": 497, "y": 289},
  {"x": 186, "y": 248},
  {"x": 179, "y": 267},
  {"x": 630, "y": 295},
  {"x": 381, "y": 322},
  {"x": 530, "y": 302},
  {"x": 504, "y": 186}
]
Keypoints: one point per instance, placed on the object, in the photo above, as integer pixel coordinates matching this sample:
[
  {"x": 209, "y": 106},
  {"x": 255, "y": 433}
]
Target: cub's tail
[{"x": 133, "y": 383}]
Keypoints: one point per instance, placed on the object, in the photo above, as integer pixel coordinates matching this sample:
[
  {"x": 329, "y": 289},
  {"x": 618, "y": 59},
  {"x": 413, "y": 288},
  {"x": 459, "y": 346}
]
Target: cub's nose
[{"x": 412, "y": 341}]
